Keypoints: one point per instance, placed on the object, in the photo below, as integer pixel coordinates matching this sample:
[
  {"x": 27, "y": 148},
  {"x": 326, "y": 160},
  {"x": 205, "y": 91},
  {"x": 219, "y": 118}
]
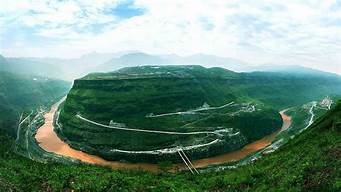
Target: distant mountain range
[
  {"x": 134, "y": 59},
  {"x": 69, "y": 69}
]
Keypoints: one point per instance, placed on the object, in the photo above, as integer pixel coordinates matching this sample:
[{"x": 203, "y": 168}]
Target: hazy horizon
[{"x": 304, "y": 33}]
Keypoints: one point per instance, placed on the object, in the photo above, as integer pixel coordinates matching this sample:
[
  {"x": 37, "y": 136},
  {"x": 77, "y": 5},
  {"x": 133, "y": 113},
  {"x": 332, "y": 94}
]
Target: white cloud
[{"x": 281, "y": 32}]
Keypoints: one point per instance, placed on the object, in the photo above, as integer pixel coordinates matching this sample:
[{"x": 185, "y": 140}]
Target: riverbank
[{"x": 50, "y": 142}]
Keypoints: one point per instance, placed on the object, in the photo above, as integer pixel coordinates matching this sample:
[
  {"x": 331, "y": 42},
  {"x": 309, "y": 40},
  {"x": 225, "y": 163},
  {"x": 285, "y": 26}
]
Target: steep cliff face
[{"x": 145, "y": 113}]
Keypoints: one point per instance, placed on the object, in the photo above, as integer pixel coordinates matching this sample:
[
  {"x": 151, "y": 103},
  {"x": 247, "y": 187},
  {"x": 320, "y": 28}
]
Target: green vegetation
[
  {"x": 174, "y": 98},
  {"x": 309, "y": 162},
  {"x": 20, "y": 94},
  {"x": 135, "y": 97}
]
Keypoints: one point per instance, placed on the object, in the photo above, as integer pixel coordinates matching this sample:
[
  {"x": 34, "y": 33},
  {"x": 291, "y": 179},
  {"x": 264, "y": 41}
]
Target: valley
[
  {"x": 207, "y": 111},
  {"x": 299, "y": 152},
  {"x": 49, "y": 141},
  {"x": 168, "y": 96}
]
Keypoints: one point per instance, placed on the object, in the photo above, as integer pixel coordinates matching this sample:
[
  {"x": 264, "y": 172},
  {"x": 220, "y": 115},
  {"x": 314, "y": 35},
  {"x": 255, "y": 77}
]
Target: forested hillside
[
  {"x": 103, "y": 110},
  {"x": 309, "y": 162},
  {"x": 21, "y": 94}
]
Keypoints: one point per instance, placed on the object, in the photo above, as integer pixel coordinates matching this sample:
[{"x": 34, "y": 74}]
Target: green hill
[
  {"x": 309, "y": 162},
  {"x": 20, "y": 94},
  {"x": 231, "y": 109},
  {"x": 185, "y": 106}
]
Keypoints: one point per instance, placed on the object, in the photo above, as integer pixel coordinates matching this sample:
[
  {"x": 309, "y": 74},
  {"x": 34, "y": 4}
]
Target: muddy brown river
[{"x": 49, "y": 141}]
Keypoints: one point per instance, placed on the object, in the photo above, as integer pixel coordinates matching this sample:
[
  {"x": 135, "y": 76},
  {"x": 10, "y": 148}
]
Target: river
[{"x": 49, "y": 141}]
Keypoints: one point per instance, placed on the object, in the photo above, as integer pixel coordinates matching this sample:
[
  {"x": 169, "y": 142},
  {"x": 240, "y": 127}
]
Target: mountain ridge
[{"x": 69, "y": 69}]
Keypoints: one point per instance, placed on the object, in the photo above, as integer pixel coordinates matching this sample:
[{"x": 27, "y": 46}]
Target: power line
[
  {"x": 189, "y": 161},
  {"x": 185, "y": 162}
]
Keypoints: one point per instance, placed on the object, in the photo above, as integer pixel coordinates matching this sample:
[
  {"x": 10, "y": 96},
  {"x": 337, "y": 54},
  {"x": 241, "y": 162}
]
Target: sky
[{"x": 290, "y": 32}]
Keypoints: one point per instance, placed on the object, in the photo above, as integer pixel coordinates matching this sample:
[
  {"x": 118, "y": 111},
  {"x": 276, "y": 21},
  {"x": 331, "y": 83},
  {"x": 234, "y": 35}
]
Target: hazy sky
[{"x": 256, "y": 31}]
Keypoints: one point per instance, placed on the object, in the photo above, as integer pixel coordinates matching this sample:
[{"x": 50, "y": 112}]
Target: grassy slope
[
  {"x": 22, "y": 93},
  {"x": 309, "y": 162}
]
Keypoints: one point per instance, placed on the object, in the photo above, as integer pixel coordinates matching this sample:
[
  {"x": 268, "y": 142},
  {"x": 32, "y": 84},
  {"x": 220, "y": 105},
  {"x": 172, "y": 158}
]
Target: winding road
[
  {"x": 192, "y": 111},
  {"x": 150, "y": 131},
  {"x": 311, "y": 112},
  {"x": 50, "y": 142}
]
